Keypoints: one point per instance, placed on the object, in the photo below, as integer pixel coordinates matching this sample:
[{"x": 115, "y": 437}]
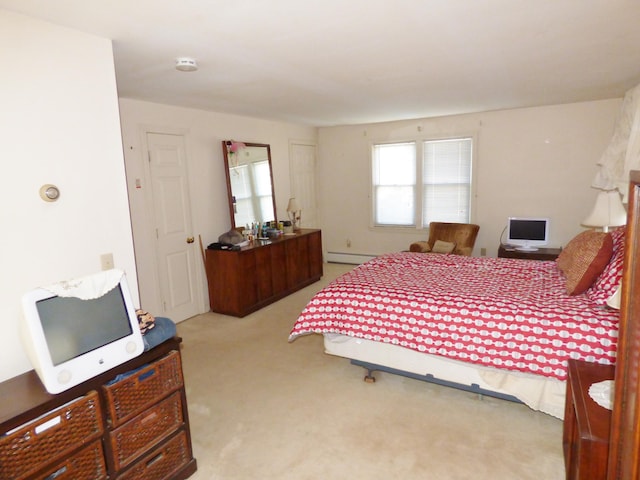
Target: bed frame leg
[{"x": 369, "y": 378}]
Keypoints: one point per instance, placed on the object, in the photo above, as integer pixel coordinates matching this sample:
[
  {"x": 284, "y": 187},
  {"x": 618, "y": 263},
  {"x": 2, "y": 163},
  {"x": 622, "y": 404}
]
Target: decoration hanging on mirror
[{"x": 233, "y": 148}]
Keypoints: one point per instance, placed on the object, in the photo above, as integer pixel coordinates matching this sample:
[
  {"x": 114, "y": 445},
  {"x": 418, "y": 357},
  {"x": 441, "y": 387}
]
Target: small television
[
  {"x": 527, "y": 234},
  {"x": 80, "y": 328}
]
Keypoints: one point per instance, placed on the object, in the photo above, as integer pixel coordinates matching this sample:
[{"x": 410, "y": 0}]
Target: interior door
[
  {"x": 175, "y": 246},
  {"x": 303, "y": 181}
]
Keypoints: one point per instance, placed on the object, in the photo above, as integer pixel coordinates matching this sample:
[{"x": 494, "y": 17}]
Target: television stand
[{"x": 539, "y": 254}]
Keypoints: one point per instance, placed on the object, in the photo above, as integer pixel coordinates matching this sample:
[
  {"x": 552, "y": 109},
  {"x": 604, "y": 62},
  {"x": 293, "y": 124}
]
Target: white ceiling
[{"x": 335, "y": 62}]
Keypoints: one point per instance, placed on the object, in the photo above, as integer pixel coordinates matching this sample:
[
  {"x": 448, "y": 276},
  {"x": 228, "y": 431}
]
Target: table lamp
[
  {"x": 607, "y": 212},
  {"x": 294, "y": 212}
]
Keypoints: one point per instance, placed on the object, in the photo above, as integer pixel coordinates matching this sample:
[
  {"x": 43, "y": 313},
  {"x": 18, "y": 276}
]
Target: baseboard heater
[
  {"x": 473, "y": 388},
  {"x": 351, "y": 258}
]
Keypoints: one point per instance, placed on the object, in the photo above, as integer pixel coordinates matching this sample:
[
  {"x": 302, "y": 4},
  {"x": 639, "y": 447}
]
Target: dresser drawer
[
  {"x": 132, "y": 395},
  {"x": 162, "y": 462},
  {"x": 33, "y": 446},
  {"x": 147, "y": 429},
  {"x": 87, "y": 464}
]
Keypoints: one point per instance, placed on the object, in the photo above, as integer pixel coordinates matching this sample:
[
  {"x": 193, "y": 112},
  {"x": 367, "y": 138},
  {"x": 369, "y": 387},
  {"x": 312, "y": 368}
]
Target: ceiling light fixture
[{"x": 186, "y": 64}]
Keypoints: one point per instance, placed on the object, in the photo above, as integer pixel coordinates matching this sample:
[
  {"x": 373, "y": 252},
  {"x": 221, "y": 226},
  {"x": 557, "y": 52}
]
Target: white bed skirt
[{"x": 540, "y": 393}]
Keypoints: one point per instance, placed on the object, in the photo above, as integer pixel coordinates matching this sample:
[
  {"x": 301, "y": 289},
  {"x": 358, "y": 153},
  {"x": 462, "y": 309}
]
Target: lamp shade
[
  {"x": 607, "y": 212},
  {"x": 293, "y": 205}
]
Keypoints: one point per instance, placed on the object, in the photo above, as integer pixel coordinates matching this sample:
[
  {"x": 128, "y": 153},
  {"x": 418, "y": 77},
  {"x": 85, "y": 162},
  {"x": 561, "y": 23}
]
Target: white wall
[
  {"x": 60, "y": 125},
  {"x": 204, "y": 133},
  {"x": 528, "y": 162}
]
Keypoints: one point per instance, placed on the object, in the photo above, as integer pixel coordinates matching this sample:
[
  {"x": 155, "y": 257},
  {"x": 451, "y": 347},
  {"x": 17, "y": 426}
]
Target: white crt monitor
[
  {"x": 527, "y": 234},
  {"x": 80, "y": 328}
]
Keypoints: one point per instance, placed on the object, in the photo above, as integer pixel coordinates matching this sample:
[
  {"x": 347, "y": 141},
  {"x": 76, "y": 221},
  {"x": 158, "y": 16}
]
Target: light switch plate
[{"x": 106, "y": 260}]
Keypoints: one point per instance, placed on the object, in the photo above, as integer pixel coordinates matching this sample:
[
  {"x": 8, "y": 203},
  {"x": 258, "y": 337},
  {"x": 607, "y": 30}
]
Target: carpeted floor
[{"x": 263, "y": 408}]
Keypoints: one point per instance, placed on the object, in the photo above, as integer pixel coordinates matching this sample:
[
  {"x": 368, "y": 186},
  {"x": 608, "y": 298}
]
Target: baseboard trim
[{"x": 350, "y": 258}]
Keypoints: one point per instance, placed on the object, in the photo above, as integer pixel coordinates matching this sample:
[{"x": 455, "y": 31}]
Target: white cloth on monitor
[{"x": 89, "y": 287}]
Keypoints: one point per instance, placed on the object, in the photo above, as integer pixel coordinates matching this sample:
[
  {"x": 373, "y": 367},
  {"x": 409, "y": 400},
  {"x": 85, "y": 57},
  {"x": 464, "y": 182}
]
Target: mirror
[{"x": 249, "y": 182}]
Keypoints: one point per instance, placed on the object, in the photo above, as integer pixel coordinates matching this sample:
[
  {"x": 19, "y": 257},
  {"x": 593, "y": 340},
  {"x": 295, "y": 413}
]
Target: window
[
  {"x": 442, "y": 195},
  {"x": 394, "y": 183}
]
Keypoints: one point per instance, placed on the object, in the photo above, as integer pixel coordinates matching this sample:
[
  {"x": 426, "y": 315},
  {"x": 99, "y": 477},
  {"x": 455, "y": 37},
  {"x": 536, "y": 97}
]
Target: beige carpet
[{"x": 263, "y": 408}]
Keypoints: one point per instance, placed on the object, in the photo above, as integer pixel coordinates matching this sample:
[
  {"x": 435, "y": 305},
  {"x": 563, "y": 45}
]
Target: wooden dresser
[
  {"x": 128, "y": 423},
  {"x": 243, "y": 281}
]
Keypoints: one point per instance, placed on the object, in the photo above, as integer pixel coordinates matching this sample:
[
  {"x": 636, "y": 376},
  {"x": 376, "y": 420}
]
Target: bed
[{"x": 495, "y": 326}]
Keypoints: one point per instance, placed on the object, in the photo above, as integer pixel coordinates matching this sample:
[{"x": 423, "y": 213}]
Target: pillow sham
[
  {"x": 607, "y": 283},
  {"x": 584, "y": 259},
  {"x": 618, "y": 236},
  {"x": 443, "y": 247}
]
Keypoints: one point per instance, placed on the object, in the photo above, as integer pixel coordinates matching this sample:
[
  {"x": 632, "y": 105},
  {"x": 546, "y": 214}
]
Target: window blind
[{"x": 446, "y": 180}]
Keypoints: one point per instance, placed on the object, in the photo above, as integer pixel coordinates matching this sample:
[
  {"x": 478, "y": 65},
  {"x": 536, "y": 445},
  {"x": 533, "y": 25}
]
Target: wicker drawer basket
[
  {"x": 134, "y": 394},
  {"x": 36, "y": 444},
  {"x": 142, "y": 432},
  {"x": 88, "y": 464},
  {"x": 161, "y": 462}
]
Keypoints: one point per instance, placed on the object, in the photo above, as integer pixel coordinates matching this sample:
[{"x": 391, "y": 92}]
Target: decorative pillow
[
  {"x": 443, "y": 247},
  {"x": 607, "y": 283},
  {"x": 584, "y": 258},
  {"x": 421, "y": 247}
]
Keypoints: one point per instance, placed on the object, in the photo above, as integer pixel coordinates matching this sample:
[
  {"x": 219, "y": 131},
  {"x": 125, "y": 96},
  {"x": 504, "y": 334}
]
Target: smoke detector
[{"x": 186, "y": 64}]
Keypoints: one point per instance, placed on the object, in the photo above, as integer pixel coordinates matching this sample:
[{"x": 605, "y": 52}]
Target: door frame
[
  {"x": 155, "y": 301},
  {"x": 292, "y": 170}
]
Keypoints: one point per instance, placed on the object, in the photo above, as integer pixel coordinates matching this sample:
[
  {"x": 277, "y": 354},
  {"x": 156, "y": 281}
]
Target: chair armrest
[{"x": 421, "y": 247}]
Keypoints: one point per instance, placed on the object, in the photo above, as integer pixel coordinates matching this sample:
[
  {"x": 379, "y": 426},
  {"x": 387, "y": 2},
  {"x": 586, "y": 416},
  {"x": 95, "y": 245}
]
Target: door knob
[{"x": 190, "y": 239}]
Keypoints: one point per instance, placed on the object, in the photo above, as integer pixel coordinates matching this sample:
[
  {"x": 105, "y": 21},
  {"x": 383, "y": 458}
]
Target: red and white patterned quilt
[{"x": 504, "y": 313}]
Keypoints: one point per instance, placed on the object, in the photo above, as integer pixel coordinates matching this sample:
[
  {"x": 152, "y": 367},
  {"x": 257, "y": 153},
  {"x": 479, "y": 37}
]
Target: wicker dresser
[{"x": 129, "y": 423}]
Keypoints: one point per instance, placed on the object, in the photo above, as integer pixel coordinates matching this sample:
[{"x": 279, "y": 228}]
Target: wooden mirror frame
[{"x": 227, "y": 152}]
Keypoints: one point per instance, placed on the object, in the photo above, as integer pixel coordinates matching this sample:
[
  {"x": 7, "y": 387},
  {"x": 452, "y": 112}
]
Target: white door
[
  {"x": 175, "y": 246},
  {"x": 303, "y": 181}
]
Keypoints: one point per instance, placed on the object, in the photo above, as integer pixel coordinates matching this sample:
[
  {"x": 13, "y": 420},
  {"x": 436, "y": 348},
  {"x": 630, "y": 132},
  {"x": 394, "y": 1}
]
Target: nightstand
[
  {"x": 540, "y": 254},
  {"x": 585, "y": 436}
]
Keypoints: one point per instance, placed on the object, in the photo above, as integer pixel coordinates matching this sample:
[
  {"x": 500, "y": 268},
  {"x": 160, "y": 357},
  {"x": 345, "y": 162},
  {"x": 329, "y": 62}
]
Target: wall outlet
[
  {"x": 106, "y": 260},
  {"x": 483, "y": 252}
]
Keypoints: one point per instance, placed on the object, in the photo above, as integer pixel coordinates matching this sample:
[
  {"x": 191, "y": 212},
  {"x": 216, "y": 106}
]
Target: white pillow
[{"x": 443, "y": 247}]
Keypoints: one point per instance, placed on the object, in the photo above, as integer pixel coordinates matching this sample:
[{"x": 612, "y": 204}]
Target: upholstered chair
[{"x": 445, "y": 237}]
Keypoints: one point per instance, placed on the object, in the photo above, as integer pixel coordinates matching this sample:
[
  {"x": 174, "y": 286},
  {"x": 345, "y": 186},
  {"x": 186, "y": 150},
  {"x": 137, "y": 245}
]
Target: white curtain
[{"x": 623, "y": 152}]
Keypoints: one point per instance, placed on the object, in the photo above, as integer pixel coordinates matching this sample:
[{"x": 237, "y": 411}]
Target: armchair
[{"x": 461, "y": 235}]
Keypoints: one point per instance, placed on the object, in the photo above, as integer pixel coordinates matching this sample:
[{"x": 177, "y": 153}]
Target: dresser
[
  {"x": 243, "y": 281},
  {"x": 130, "y": 423}
]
